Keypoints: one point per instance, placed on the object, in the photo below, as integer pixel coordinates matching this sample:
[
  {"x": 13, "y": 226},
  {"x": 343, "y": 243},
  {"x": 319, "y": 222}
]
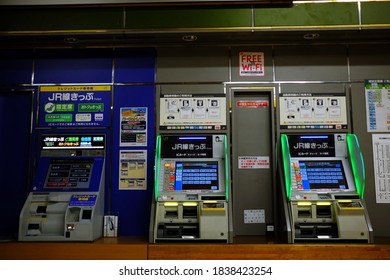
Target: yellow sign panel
[{"x": 75, "y": 88}]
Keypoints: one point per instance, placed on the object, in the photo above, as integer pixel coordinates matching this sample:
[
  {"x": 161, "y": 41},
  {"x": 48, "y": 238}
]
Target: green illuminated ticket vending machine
[
  {"x": 324, "y": 182},
  {"x": 191, "y": 192}
]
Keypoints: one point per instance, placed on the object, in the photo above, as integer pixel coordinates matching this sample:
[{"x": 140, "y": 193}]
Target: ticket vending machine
[
  {"x": 191, "y": 199},
  {"x": 324, "y": 181},
  {"x": 66, "y": 201}
]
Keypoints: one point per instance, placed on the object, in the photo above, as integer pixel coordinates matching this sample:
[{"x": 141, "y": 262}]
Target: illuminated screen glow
[
  {"x": 69, "y": 174},
  {"x": 357, "y": 164},
  {"x": 196, "y": 176},
  {"x": 314, "y": 175},
  {"x": 286, "y": 164},
  {"x": 157, "y": 167},
  {"x": 62, "y": 141}
]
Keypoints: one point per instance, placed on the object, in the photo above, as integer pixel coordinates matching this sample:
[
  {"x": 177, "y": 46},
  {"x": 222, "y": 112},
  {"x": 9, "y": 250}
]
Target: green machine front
[
  {"x": 191, "y": 195},
  {"x": 324, "y": 180}
]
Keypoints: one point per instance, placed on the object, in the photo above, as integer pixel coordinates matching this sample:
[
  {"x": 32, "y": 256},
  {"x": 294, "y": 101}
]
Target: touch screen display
[
  {"x": 312, "y": 175},
  {"x": 69, "y": 174},
  {"x": 196, "y": 176}
]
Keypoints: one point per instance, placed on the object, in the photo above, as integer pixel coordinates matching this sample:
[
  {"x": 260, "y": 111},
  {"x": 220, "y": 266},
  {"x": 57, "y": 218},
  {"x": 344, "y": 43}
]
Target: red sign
[
  {"x": 251, "y": 63},
  {"x": 252, "y": 104}
]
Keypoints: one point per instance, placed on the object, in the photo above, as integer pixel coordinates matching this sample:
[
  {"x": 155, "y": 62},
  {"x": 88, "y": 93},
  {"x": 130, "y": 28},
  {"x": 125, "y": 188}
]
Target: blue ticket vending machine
[
  {"x": 324, "y": 181},
  {"x": 191, "y": 201},
  {"x": 66, "y": 201}
]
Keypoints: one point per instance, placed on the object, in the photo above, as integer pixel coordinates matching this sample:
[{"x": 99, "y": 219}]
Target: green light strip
[
  {"x": 157, "y": 162},
  {"x": 357, "y": 164},
  {"x": 286, "y": 164},
  {"x": 226, "y": 169}
]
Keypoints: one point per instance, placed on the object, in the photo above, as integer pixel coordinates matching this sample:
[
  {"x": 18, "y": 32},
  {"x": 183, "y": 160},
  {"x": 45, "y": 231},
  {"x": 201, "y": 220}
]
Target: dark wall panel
[
  {"x": 131, "y": 205},
  {"x": 134, "y": 66},
  {"x": 193, "y": 64},
  {"x": 70, "y": 66},
  {"x": 311, "y": 63},
  {"x": 16, "y": 67},
  {"x": 14, "y": 159}
]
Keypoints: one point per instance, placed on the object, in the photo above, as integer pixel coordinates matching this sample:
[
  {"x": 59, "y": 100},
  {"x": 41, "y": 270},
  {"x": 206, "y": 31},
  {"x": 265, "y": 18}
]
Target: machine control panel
[
  {"x": 168, "y": 178},
  {"x": 69, "y": 173},
  {"x": 318, "y": 174},
  {"x": 189, "y": 176}
]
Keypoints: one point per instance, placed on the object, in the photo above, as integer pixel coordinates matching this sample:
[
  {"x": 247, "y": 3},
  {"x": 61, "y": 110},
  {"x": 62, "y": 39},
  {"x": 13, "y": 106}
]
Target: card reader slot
[
  {"x": 190, "y": 212},
  {"x": 41, "y": 209},
  {"x": 346, "y": 197},
  {"x": 32, "y": 226},
  {"x": 213, "y": 197},
  {"x": 304, "y": 212},
  {"x": 86, "y": 214},
  {"x": 324, "y": 211},
  {"x": 171, "y": 212}
]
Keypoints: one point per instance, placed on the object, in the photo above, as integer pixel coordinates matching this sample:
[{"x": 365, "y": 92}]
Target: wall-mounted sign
[
  {"x": 183, "y": 146},
  {"x": 313, "y": 111},
  {"x": 132, "y": 173},
  {"x": 73, "y": 141},
  {"x": 134, "y": 126},
  {"x": 380, "y": 151},
  {"x": 251, "y": 64},
  {"x": 83, "y": 200},
  {"x": 311, "y": 145},
  {"x": 74, "y": 106},
  {"x": 377, "y": 105},
  {"x": 252, "y": 104}
]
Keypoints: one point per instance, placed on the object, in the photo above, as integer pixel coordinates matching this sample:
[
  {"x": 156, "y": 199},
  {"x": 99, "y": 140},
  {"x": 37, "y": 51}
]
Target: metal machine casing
[
  {"x": 325, "y": 189},
  {"x": 66, "y": 202},
  {"x": 191, "y": 189}
]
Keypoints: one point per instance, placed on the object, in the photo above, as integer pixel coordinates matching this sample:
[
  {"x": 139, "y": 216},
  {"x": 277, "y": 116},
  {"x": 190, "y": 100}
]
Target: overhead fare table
[
  {"x": 66, "y": 201},
  {"x": 324, "y": 181}
]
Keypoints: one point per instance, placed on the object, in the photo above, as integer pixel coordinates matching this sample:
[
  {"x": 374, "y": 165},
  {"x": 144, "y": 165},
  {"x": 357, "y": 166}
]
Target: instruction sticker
[
  {"x": 253, "y": 162},
  {"x": 83, "y": 200}
]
